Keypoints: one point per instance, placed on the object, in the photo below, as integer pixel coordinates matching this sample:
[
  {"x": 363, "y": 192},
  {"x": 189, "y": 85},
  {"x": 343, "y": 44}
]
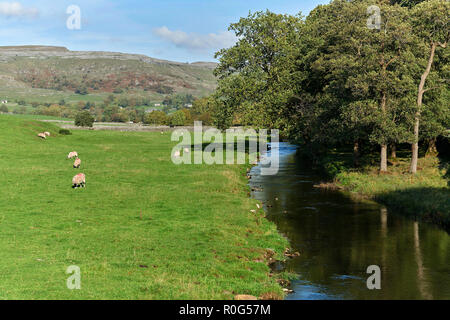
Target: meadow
[
  {"x": 143, "y": 228},
  {"x": 424, "y": 196}
]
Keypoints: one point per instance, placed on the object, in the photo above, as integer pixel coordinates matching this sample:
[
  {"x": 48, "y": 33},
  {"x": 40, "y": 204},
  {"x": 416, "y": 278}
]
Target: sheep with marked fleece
[{"x": 79, "y": 181}]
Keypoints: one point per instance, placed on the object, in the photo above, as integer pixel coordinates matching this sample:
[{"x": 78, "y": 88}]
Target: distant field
[
  {"x": 143, "y": 228},
  {"x": 39, "y": 117}
]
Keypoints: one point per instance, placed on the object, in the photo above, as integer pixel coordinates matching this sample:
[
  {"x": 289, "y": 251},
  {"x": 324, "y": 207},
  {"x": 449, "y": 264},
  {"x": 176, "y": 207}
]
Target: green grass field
[
  {"x": 143, "y": 228},
  {"x": 424, "y": 196}
]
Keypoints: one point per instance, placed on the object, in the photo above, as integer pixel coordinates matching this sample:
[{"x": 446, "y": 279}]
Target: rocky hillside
[{"x": 57, "y": 68}]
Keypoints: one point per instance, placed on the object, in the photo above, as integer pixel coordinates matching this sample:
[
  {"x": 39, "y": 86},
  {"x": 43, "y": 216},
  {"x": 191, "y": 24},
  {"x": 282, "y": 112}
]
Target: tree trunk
[
  {"x": 393, "y": 151},
  {"x": 383, "y": 163},
  {"x": 383, "y": 160},
  {"x": 432, "y": 150},
  {"x": 415, "y": 145},
  {"x": 356, "y": 153}
]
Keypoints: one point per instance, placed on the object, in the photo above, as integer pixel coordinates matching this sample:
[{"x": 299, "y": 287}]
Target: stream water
[{"x": 338, "y": 238}]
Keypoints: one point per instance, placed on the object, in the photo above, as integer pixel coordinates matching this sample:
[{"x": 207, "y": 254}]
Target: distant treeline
[{"x": 175, "y": 110}]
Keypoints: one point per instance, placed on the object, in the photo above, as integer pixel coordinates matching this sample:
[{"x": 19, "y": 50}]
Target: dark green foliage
[
  {"x": 329, "y": 80},
  {"x": 84, "y": 119},
  {"x": 81, "y": 90},
  {"x": 65, "y": 132},
  {"x": 177, "y": 118},
  {"x": 155, "y": 118}
]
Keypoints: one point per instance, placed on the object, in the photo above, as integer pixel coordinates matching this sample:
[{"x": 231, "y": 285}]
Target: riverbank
[
  {"x": 143, "y": 228},
  {"x": 424, "y": 196},
  {"x": 338, "y": 238}
]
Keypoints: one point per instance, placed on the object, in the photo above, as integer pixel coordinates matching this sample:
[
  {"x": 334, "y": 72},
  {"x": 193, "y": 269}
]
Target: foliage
[
  {"x": 178, "y": 101},
  {"x": 256, "y": 75},
  {"x": 155, "y": 118},
  {"x": 65, "y": 132},
  {"x": 81, "y": 90},
  {"x": 177, "y": 118},
  {"x": 84, "y": 119},
  {"x": 329, "y": 80}
]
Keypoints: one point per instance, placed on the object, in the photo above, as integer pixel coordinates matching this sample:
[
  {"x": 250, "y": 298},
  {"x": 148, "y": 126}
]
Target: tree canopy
[{"x": 340, "y": 75}]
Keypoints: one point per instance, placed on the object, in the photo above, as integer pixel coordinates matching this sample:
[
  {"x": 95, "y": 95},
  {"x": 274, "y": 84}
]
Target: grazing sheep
[
  {"x": 42, "y": 135},
  {"x": 186, "y": 150},
  {"x": 77, "y": 163},
  {"x": 72, "y": 155},
  {"x": 79, "y": 181},
  {"x": 177, "y": 154},
  {"x": 47, "y": 133}
]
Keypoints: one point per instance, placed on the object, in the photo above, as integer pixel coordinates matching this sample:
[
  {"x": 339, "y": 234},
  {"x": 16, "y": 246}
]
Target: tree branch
[{"x": 437, "y": 87}]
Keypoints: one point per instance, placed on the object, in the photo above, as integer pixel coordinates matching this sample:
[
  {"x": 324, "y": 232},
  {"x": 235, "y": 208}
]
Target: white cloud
[
  {"x": 15, "y": 9},
  {"x": 196, "y": 41}
]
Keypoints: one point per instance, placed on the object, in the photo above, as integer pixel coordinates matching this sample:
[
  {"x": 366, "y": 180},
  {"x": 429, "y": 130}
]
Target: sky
[{"x": 177, "y": 30}]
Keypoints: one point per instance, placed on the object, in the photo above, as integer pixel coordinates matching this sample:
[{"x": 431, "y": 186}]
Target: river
[{"x": 338, "y": 238}]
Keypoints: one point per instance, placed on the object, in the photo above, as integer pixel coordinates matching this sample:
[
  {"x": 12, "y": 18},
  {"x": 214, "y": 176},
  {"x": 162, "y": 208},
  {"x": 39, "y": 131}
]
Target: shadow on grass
[
  {"x": 422, "y": 203},
  {"x": 224, "y": 146}
]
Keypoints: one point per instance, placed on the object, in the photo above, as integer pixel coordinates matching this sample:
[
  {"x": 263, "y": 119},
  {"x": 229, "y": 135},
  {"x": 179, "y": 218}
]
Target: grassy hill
[
  {"x": 49, "y": 74},
  {"x": 143, "y": 228}
]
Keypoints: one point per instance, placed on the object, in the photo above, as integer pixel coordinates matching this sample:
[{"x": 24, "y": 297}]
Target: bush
[
  {"x": 20, "y": 110},
  {"x": 155, "y": 118},
  {"x": 4, "y": 109},
  {"x": 65, "y": 132},
  {"x": 84, "y": 119},
  {"x": 177, "y": 118},
  {"x": 81, "y": 90}
]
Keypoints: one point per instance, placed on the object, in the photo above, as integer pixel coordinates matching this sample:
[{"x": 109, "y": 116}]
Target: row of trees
[
  {"x": 124, "y": 109},
  {"x": 349, "y": 73}
]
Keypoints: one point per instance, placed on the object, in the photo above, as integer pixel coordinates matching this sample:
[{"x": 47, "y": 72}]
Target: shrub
[
  {"x": 155, "y": 118},
  {"x": 81, "y": 90},
  {"x": 4, "y": 109},
  {"x": 20, "y": 110},
  {"x": 84, "y": 119},
  {"x": 65, "y": 132},
  {"x": 177, "y": 118}
]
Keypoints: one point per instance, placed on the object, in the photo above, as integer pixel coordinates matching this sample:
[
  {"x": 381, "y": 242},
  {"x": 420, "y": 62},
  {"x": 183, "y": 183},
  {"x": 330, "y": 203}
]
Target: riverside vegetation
[{"x": 335, "y": 80}]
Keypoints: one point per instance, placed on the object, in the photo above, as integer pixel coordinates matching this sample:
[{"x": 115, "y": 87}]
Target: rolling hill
[{"x": 51, "y": 73}]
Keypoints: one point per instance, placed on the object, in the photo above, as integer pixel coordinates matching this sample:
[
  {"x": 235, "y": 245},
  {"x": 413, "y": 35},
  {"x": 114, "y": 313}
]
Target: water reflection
[{"x": 339, "y": 238}]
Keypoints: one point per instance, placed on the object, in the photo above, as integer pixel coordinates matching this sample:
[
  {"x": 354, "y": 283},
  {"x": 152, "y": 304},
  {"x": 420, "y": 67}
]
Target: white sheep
[
  {"x": 79, "y": 181},
  {"x": 42, "y": 135},
  {"x": 72, "y": 155},
  {"x": 77, "y": 163}
]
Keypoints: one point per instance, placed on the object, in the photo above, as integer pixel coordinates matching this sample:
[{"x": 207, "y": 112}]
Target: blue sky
[{"x": 179, "y": 30}]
